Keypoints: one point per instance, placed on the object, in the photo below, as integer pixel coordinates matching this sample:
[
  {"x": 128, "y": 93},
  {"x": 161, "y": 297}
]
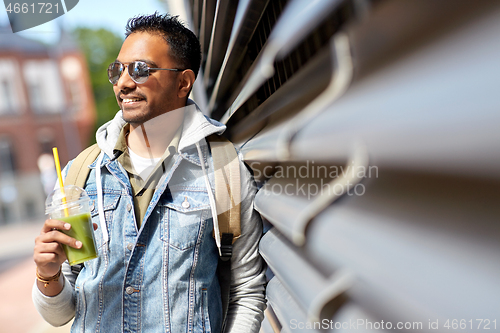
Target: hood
[{"x": 196, "y": 127}]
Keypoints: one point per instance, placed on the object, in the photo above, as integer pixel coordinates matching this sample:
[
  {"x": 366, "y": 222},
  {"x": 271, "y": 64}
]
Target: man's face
[{"x": 159, "y": 94}]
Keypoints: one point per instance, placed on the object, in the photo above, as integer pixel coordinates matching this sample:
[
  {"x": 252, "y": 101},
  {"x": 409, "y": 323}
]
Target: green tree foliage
[{"x": 101, "y": 48}]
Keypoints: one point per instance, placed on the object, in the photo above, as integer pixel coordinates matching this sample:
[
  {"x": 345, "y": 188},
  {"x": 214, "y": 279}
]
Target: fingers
[
  {"x": 48, "y": 256},
  {"x": 44, "y": 260},
  {"x": 48, "y": 253},
  {"x": 51, "y": 233},
  {"x": 52, "y": 247},
  {"x": 58, "y": 237},
  {"x": 55, "y": 224}
]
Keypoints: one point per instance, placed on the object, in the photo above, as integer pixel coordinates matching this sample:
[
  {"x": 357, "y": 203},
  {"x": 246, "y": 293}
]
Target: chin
[
  {"x": 131, "y": 117},
  {"x": 134, "y": 118}
]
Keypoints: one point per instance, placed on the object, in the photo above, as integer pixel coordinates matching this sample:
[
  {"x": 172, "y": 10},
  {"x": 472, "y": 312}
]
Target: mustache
[{"x": 120, "y": 95}]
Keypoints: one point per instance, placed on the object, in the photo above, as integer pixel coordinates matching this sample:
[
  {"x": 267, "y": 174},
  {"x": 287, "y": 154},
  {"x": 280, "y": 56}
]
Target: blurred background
[
  {"x": 372, "y": 128},
  {"x": 54, "y": 92}
]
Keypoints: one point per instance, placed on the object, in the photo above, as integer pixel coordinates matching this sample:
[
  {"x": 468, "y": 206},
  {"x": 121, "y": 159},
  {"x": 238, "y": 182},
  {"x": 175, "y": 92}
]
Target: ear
[{"x": 186, "y": 81}]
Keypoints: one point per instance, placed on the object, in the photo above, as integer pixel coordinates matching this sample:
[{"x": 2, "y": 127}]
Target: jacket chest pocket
[
  {"x": 183, "y": 218},
  {"x": 110, "y": 202}
]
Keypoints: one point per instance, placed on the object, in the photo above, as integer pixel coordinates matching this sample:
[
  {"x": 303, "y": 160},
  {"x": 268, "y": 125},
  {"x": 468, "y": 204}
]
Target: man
[{"x": 152, "y": 200}]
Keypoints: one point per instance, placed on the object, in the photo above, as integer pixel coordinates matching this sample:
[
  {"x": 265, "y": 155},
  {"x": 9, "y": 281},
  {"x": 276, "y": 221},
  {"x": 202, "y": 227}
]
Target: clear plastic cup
[{"x": 73, "y": 208}]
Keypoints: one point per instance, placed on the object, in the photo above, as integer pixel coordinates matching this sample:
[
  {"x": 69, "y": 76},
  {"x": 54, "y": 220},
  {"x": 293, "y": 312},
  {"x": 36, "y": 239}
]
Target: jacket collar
[{"x": 196, "y": 127}]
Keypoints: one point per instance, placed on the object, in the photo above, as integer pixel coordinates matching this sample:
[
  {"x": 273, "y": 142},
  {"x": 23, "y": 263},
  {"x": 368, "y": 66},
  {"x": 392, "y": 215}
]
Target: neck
[{"x": 151, "y": 139}]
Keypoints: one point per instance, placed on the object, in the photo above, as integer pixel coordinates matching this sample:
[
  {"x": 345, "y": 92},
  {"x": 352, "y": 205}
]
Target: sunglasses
[{"x": 137, "y": 70}]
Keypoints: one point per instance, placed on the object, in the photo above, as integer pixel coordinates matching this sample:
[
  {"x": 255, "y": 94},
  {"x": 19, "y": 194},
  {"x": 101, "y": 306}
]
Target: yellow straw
[{"x": 59, "y": 176}]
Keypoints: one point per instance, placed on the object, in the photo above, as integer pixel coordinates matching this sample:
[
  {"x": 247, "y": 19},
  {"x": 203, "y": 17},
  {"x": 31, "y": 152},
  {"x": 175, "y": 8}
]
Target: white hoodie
[{"x": 247, "y": 300}]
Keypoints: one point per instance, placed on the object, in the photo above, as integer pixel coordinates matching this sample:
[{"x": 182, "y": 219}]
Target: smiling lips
[{"x": 131, "y": 100}]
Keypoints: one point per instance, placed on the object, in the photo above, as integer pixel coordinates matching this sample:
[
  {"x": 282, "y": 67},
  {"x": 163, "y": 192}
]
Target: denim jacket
[{"x": 161, "y": 277}]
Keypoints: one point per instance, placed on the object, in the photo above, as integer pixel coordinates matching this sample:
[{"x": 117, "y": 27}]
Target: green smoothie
[{"x": 81, "y": 229}]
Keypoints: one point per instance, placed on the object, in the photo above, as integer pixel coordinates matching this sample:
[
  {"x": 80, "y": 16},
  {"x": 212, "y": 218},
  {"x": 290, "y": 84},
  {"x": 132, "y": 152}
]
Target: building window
[
  {"x": 72, "y": 70},
  {"x": 36, "y": 100},
  {"x": 76, "y": 96},
  {"x": 7, "y": 163},
  {"x": 6, "y": 97},
  {"x": 9, "y": 97},
  {"x": 44, "y": 86}
]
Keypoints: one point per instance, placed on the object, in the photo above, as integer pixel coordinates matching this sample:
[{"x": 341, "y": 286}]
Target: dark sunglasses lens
[
  {"x": 114, "y": 72},
  {"x": 138, "y": 71}
]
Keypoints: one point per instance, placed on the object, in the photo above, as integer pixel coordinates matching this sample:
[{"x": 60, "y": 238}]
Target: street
[{"x": 17, "y": 275}]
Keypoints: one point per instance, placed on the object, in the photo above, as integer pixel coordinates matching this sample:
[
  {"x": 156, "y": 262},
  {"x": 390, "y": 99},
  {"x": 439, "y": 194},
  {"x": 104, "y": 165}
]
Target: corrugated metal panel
[
  {"x": 267, "y": 72},
  {"x": 219, "y": 39},
  {"x": 205, "y": 24},
  {"x": 373, "y": 130},
  {"x": 313, "y": 292},
  {"x": 459, "y": 98},
  {"x": 247, "y": 17}
]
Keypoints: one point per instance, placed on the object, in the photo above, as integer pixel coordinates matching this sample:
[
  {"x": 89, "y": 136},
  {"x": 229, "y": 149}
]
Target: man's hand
[{"x": 49, "y": 255}]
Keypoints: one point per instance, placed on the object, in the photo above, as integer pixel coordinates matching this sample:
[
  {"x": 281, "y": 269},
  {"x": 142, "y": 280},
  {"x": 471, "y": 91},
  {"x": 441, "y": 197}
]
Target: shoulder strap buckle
[{"x": 226, "y": 246}]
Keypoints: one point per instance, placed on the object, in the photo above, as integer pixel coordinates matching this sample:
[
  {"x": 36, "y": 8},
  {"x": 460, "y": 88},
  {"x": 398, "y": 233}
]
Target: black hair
[{"x": 184, "y": 45}]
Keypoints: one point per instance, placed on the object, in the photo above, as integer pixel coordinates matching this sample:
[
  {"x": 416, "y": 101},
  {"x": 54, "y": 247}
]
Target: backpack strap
[
  {"x": 227, "y": 186},
  {"x": 228, "y": 202},
  {"x": 79, "y": 171}
]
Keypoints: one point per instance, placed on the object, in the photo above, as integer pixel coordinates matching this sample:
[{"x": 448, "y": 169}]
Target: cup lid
[{"x": 73, "y": 196}]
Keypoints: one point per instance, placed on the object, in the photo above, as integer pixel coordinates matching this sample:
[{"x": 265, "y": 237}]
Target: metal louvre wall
[{"x": 373, "y": 131}]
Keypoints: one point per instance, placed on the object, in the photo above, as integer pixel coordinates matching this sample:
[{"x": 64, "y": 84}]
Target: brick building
[{"x": 45, "y": 101}]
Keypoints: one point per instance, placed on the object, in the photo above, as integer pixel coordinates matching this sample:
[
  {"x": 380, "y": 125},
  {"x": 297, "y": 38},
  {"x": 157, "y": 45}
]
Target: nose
[{"x": 125, "y": 81}]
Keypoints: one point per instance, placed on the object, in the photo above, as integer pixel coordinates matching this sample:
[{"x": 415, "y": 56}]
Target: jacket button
[
  {"x": 129, "y": 290},
  {"x": 129, "y": 207},
  {"x": 185, "y": 204},
  {"x": 130, "y": 246}
]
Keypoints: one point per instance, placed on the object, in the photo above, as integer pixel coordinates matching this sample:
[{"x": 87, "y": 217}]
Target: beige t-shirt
[{"x": 143, "y": 189}]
